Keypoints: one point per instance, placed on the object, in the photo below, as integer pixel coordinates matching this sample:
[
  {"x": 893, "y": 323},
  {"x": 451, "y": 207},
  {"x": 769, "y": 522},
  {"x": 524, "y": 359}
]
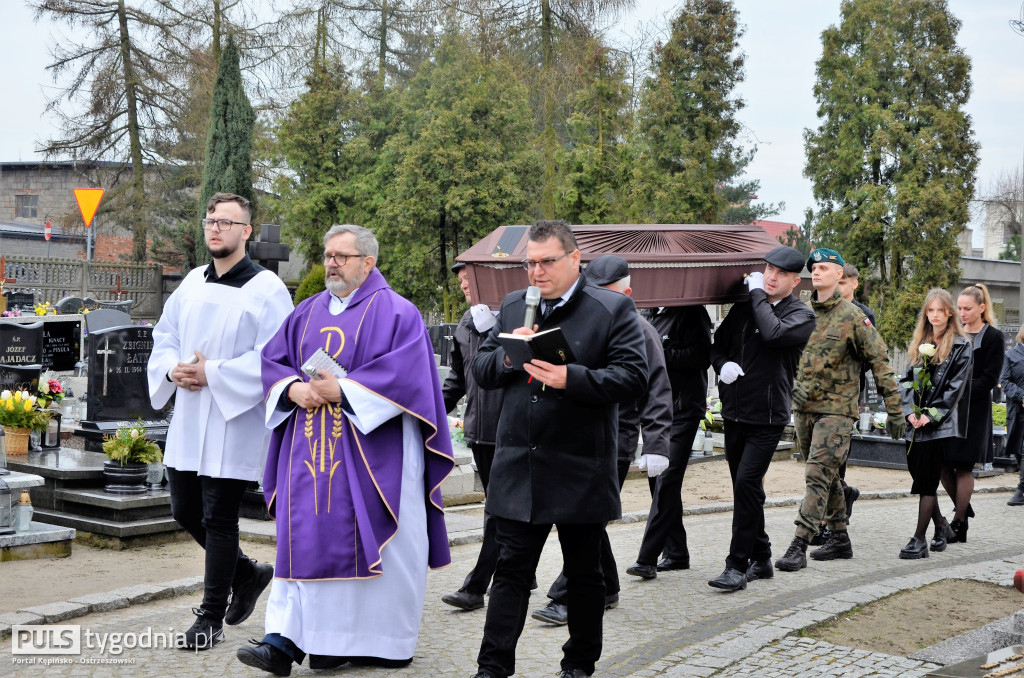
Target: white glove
[
  {"x": 483, "y": 319},
  {"x": 755, "y": 281},
  {"x": 654, "y": 464},
  {"x": 730, "y": 373}
]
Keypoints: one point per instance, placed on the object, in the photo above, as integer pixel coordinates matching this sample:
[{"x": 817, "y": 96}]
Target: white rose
[
  {"x": 135, "y": 433},
  {"x": 927, "y": 350}
]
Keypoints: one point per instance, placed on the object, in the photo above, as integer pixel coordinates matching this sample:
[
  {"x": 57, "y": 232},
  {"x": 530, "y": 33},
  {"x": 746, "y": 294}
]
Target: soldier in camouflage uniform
[{"x": 825, "y": 396}]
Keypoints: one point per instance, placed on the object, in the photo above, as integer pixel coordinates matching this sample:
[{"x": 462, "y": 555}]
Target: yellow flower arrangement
[
  {"x": 18, "y": 409},
  {"x": 45, "y": 309}
]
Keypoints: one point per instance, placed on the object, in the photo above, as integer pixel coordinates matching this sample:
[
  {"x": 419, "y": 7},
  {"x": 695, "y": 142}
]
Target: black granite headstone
[
  {"x": 122, "y": 306},
  {"x": 20, "y": 377},
  {"x": 22, "y": 300},
  {"x": 70, "y": 305},
  {"x": 104, "y": 318},
  {"x": 21, "y": 344},
  {"x": 118, "y": 388},
  {"x": 62, "y": 344}
]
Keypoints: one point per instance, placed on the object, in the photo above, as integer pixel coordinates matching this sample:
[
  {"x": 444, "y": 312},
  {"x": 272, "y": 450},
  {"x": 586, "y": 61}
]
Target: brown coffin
[{"x": 670, "y": 264}]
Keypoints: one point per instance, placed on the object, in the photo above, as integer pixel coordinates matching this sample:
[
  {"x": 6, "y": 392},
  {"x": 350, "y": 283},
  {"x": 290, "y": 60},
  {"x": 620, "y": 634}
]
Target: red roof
[{"x": 776, "y": 229}]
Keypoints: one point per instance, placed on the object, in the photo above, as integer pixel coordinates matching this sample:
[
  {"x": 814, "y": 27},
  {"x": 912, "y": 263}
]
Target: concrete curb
[{"x": 53, "y": 613}]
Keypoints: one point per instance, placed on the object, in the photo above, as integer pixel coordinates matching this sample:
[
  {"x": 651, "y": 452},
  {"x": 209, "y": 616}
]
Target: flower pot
[
  {"x": 127, "y": 479},
  {"x": 17, "y": 440}
]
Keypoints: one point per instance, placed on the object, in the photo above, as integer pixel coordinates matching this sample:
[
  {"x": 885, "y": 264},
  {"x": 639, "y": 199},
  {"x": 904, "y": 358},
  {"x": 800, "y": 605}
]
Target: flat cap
[
  {"x": 607, "y": 269},
  {"x": 786, "y": 258},
  {"x": 824, "y": 254},
  {"x": 458, "y": 267}
]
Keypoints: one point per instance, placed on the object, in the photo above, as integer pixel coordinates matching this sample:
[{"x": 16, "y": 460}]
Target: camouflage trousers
[{"x": 824, "y": 440}]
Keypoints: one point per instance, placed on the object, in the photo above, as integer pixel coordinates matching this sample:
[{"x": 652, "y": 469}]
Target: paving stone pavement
[{"x": 672, "y": 626}]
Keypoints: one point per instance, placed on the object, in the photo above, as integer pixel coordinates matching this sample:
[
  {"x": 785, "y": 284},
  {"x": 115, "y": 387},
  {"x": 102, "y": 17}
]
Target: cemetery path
[{"x": 674, "y": 625}]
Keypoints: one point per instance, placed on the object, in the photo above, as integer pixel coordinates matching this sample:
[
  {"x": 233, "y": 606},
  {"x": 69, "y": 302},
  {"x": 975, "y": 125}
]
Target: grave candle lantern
[
  {"x": 6, "y": 512},
  {"x": 3, "y": 455}
]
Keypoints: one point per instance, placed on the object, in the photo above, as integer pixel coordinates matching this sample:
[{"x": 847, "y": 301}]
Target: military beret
[
  {"x": 824, "y": 254},
  {"x": 785, "y": 258},
  {"x": 458, "y": 267},
  {"x": 607, "y": 269}
]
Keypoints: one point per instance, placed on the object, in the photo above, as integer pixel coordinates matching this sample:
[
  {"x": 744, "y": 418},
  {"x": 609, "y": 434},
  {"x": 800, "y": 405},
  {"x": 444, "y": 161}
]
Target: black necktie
[{"x": 545, "y": 308}]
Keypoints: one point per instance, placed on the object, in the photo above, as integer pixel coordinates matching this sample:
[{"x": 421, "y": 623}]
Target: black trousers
[
  {"x": 749, "y": 449},
  {"x": 519, "y": 548},
  {"x": 559, "y": 591},
  {"x": 665, "y": 534},
  {"x": 480, "y": 576},
  {"x": 208, "y": 510}
]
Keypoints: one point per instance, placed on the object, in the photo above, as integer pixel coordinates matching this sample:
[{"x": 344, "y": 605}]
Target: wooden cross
[
  {"x": 118, "y": 291},
  {"x": 4, "y": 280},
  {"x": 106, "y": 352}
]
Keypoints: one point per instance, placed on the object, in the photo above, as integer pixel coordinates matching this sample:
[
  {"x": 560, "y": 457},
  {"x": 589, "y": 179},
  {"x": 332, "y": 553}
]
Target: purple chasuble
[{"x": 334, "y": 492}]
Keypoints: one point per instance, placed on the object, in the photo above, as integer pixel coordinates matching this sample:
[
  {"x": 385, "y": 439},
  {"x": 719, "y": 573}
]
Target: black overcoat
[
  {"x": 1012, "y": 382},
  {"x": 555, "y": 460},
  {"x": 988, "y": 363}
]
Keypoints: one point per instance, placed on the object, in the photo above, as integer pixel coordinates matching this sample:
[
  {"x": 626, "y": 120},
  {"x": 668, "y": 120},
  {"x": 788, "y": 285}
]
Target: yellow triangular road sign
[{"x": 88, "y": 201}]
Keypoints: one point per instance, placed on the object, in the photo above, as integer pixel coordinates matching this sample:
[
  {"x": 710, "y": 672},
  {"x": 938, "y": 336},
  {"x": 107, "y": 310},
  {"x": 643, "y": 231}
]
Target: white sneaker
[{"x": 987, "y": 467}]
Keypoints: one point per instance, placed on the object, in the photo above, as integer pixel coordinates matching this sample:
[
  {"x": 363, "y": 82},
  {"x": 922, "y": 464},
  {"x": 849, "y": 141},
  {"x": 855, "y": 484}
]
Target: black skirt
[{"x": 925, "y": 459}]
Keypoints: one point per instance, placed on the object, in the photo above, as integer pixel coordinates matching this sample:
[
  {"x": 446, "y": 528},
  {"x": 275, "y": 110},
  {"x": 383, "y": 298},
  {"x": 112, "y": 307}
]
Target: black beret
[
  {"x": 786, "y": 258},
  {"x": 458, "y": 267},
  {"x": 607, "y": 269}
]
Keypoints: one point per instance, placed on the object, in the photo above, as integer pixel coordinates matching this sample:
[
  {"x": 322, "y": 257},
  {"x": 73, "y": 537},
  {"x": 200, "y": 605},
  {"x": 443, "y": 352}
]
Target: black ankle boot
[{"x": 959, "y": 530}]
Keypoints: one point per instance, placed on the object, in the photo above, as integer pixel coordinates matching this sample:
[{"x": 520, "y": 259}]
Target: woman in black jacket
[
  {"x": 939, "y": 375},
  {"x": 975, "y": 309},
  {"x": 1012, "y": 381}
]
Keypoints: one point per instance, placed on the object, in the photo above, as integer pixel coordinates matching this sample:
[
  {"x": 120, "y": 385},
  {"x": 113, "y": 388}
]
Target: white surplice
[
  {"x": 217, "y": 431},
  {"x": 377, "y": 617}
]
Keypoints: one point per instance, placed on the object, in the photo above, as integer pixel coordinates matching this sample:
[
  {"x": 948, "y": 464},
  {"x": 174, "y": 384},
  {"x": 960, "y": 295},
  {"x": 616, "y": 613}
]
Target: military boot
[
  {"x": 838, "y": 546},
  {"x": 795, "y": 558}
]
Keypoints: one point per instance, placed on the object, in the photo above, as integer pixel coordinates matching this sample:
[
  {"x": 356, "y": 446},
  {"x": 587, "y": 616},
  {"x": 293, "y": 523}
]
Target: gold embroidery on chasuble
[{"x": 323, "y": 429}]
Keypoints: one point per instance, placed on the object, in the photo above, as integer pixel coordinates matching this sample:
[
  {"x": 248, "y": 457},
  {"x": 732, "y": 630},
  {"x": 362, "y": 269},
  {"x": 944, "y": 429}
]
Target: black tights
[
  {"x": 959, "y": 486},
  {"x": 928, "y": 511}
]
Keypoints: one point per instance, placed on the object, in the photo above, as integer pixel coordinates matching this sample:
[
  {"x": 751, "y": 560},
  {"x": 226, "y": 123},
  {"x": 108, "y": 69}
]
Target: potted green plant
[
  {"x": 129, "y": 454},
  {"x": 20, "y": 414}
]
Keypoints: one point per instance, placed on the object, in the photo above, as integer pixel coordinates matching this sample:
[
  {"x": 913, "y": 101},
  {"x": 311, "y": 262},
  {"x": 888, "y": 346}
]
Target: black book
[{"x": 549, "y": 346}]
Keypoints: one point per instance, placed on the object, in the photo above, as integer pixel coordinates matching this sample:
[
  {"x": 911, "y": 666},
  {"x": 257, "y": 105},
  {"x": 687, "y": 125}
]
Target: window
[{"x": 26, "y": 206}]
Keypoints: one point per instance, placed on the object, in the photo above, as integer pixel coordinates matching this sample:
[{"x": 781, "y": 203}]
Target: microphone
[{"x": 532, "y": 302}]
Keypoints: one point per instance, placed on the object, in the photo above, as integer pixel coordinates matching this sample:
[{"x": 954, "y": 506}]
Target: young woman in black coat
[
  {"x": 940, "y": 363},
  {"x": 1012, "y": 381},
  {"x": 975, "y": 308}
]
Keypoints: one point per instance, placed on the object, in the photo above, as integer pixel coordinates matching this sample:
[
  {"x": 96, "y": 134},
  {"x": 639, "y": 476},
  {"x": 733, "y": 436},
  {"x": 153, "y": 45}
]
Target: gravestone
[
  {"x": 122, "y": 306},
  {"x": 62, "y": 344},
  {"x": 21, "y": 344},
  {"x": 23, "y": 300},
  {"x": 105, "y": 318},
  {"x": 90, "y": 304},
  {"x": 70, "y": 305},
  {"x": 118, "y": 388},
  {"x": 20, "y": 377}
]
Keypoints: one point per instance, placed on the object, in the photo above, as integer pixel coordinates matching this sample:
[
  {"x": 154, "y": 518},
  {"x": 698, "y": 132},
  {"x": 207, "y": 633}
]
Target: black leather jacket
[
  {"x": 482, "y": 407},
  {"x": 950, "y": 394}
]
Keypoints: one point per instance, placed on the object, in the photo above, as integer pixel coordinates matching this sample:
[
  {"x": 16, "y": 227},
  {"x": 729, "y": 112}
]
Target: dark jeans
[
  {"x": 749, "y": 450},
  {"x": 520, "y": 545},
  {"x": 665, "y": 533},
  {"x": 208, "y": 510},
  {"x": 480, "y": 576}
]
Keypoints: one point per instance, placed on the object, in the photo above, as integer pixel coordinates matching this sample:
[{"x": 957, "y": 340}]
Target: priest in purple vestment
[{"x": 353, "y": 476}]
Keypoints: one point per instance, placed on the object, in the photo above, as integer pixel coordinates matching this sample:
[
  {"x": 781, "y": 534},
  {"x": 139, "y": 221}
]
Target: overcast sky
[{"x": 782, "y": 42}]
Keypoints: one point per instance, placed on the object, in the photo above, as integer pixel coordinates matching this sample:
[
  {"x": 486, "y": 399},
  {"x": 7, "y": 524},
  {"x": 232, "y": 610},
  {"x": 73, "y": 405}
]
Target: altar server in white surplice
[{"x": 206, "y": 353}]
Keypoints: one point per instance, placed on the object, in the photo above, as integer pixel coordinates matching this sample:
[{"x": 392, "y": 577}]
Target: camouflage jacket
[{"x": 843, "y": 340}]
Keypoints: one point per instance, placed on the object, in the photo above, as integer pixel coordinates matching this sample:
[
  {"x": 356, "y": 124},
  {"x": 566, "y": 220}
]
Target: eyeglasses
[
  {"x": 340, "y": 259},
  {"x": 530, "y": 265},
  {"x": 221, "y": 224}
]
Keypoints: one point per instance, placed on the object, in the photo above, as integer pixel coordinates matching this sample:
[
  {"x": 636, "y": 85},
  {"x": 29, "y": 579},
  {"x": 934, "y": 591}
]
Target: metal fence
[{"x": 53, "y": 279}]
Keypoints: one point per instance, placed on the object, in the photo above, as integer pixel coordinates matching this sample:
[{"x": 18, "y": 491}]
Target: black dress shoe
[
  {"x": 668, "y": 564},
  {"x": 265, "y": 657},
  {"x": 554, "y": 613},
  {"x": 326, "y": 662},
  {"x": 915, "y": 548},
  {"x": 730, "y": 580},
  {"x": 760, "y": 569},
  {"x": 572, "y": 673},
  {"x": 464, "y": 600},
  {"x": 943, "y": 533},
  {"x": 483, "y": 674},
  {"x": 642, "y": 571},
  {"x": 1017, "y": 499},
  {"x": 246, "y": 593},
  {"x": 611, "y": 601}
]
